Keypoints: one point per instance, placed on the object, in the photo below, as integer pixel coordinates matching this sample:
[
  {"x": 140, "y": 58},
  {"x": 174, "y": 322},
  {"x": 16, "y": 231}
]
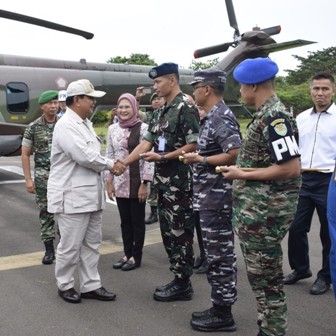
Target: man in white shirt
[
  {"x": 317, "y": 143},
  {"x": 76, "y": 195}
]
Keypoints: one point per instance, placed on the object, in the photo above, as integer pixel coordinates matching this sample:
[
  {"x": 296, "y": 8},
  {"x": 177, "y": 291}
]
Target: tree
[
  {"x": 295, "y": 97},
  {"x": 139, "y": 59},
  {"x": 203, "y": 65},
  {"x": 316, "y": 61}
]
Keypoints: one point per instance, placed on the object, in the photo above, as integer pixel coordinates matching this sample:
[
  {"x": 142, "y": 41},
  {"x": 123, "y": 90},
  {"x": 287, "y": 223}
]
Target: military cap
[
  {"x": 209, "y": 76},
  {"x": 46, "y": 96},
  {"x": 255, "y": 70},
  {"x": 62, "y": 96},
  {"x": 163, "y": 69},
  {"x": 153, "y": 96}
]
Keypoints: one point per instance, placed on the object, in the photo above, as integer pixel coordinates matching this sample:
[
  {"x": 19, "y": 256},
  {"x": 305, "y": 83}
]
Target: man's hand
[
  {"x": 232, "y": 172},
  {"x": 110, "y": 190},
  {"x": 191, "y": 158},
  {"x": 150, "y": 156},
  {"x": 118, "y": 168},
  {"x": 139, "y": 93},
  {"x": 30, "y": 186}
]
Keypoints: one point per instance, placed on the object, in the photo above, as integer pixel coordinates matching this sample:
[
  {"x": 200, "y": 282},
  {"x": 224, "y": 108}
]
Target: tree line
[{"x": 292, "y": 89}]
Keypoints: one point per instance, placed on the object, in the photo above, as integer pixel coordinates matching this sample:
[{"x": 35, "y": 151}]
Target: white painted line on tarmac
[{"x": 13, "y": 169}]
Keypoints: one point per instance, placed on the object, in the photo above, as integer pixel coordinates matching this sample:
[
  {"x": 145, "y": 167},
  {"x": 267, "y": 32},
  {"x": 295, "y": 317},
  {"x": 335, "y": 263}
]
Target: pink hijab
[{"x": 134, "y": 119}]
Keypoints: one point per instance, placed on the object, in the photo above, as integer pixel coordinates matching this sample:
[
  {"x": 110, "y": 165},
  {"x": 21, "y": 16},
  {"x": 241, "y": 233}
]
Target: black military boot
[
  {"x": 153, "y": 217},
  {"x": 49, "y": 256},
  {"x": 177, "y": 290},
  {"x": 213, "y": 319}
]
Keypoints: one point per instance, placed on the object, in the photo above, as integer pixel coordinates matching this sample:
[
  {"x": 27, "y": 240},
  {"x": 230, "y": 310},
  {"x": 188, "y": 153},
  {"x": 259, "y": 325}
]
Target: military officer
[
  {"x": 172, "y": 130},
  {"x": 265, "y": 199},
  {"x": 218, "y": 144},
  {"x": 37, "y": 140}
]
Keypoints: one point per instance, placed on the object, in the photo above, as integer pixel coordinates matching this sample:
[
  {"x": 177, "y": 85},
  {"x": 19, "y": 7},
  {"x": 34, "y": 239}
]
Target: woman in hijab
[{"x": 130, "y": 188}]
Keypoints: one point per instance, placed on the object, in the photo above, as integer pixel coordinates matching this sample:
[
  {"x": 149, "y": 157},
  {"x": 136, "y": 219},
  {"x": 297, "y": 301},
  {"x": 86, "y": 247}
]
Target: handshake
[{"x": 119, "y": 167}]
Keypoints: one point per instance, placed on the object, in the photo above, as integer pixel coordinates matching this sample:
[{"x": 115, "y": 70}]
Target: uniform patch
[
  {"x": 283, "y": 144},
  {"x": 279, "y": 126}
]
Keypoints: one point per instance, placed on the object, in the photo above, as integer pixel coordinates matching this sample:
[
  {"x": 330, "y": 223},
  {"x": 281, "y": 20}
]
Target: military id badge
[{"x": 162, "y": 143}]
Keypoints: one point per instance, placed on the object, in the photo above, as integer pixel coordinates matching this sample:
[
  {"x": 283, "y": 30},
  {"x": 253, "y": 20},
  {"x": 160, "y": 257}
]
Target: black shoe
[
  {"x": 130, "y": 265},
  {"x": 198, "y": 262},
  {"x": 261, "y": 333},
  {"x": 201, "y": 314},
  {"x": 212, "y": 320},
  {"x": 175, "y": 292},
  {"x": 203, "y": 268},
  {"x": 165, "y": 287},
  {"x": 294, "y": 277},
  {"x": 320, "y": 286},
  {"x": 70, "y": 295},
  {"x": 49, "y": 255},
  {"x": 99, "y": 294},
  {"x": 152, "y": 218},
  {"x": 119, "y": 263}
]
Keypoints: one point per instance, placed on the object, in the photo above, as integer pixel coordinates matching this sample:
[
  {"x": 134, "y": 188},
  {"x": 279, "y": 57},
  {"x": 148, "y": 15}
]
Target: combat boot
[
  {"x": 177, "y": 290},
  {"x": 214, "y": 320},
  {"x": 49, "y": 256},
  {"x": 153, "y": 217}
]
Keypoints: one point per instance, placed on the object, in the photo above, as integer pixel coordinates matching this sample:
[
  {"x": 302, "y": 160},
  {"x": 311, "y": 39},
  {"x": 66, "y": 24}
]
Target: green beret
[
  {"x": 46, "y": 96},
  {"x": 153, "y": 96}
]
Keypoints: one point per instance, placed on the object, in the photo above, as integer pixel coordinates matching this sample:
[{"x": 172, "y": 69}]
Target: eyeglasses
[{"x": 199, "y": 86}]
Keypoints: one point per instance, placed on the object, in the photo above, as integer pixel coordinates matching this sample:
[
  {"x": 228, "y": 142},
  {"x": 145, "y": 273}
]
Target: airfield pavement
[{"x": 30, "y": 305}]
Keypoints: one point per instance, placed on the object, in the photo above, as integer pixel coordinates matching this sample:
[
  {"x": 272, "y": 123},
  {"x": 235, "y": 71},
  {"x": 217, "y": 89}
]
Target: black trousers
[
  {"x": 313, "y": 195},
  {"x": 132, "y": 216}
]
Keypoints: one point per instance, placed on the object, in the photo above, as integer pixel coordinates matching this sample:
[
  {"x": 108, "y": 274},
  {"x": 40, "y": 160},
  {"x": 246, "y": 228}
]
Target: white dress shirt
[{"x": 317, "y": 138}]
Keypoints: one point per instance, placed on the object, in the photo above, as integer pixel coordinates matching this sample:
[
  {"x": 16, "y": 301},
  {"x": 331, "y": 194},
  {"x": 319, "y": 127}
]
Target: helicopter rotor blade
[
  {"x": 44, "y": 23},
  {"x": 212, "y": 50},
  {"x": 272, "y": 30},
  {"x": 274, "y": 47},
  {"x": 232, "y": 17}
]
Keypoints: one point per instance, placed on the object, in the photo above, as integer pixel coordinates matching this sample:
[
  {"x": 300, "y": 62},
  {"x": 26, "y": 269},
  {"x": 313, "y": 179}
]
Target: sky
[{"x": 168, "y": 31}]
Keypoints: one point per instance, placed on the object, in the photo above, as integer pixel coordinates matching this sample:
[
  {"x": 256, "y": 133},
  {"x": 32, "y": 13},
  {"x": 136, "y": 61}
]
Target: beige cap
[{"x": 83, "y": 87}]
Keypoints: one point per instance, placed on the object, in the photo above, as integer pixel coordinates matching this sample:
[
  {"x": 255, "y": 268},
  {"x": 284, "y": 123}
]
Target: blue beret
[
  {"x": 255, "y": 70},
  {"x": 46, "y": 96},
  {"x": 209, "y": 76},
  {"x": 163, "y": 69}
]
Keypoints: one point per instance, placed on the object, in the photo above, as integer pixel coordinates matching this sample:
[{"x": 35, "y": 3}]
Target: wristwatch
[{"x": 145, "y": 182}]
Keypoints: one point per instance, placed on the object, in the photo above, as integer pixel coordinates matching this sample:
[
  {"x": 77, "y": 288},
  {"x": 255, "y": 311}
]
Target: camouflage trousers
[
  {"x": 176, "y": 216},
  {"x": 152, "y": 197},
  {"x": 260, "y": 230},
  {"x": 218, "y": 240},
  {"x": 47, "y": 223}
]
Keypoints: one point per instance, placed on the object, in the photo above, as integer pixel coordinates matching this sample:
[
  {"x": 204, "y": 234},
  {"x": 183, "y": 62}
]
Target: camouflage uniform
[
  {"x": 219, "y": 132},
  {"x": 264, "y": 210},
  {"x": 179, "y": 124},
  {"x": 38, "y": 136}
]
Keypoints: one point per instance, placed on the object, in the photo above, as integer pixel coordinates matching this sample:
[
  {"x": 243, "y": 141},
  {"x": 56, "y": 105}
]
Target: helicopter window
[{"x": 17, "y": 97}]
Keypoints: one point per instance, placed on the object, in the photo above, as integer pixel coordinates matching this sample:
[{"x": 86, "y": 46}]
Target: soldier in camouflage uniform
[
  {"x": 172, "y": 130},
  {"x": 265, "y": 199},
  {"x": 218, "y": 144},
  {"x": 156, "y": 102},
  {"x": 37, "y": 140}
]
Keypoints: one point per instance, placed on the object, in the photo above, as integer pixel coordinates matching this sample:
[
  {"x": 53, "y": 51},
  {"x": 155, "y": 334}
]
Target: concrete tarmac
[{"x": 30, "y": 305}]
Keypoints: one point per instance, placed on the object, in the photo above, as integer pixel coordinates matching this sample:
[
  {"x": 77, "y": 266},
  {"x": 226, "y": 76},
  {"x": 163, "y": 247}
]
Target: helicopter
[{"x": 23, "y": 78}]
